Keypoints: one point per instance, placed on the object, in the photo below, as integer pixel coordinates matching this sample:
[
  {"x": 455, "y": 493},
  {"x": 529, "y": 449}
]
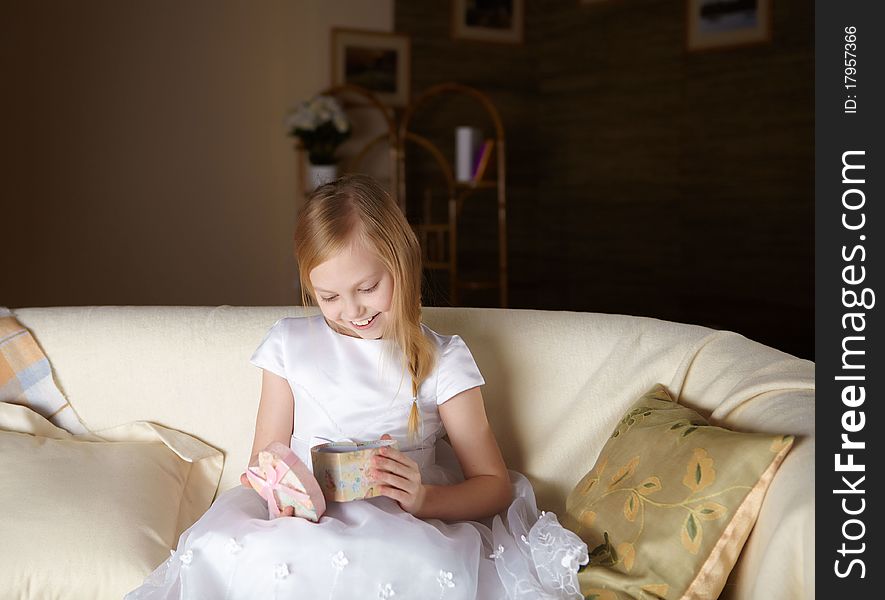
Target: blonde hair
[{"x": 356, "y": 208}]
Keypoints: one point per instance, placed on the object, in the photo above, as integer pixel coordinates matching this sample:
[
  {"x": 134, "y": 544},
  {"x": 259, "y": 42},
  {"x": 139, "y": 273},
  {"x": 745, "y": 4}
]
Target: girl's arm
[
  {"x": 276, "y": 415},
  {"x": 486, "y": 488}
]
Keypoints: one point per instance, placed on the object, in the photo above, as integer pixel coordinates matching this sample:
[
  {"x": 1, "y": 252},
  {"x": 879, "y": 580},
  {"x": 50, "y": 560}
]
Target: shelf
[
  {"x": 480, "y": 185},
  {"x": 440, "y": 240}
]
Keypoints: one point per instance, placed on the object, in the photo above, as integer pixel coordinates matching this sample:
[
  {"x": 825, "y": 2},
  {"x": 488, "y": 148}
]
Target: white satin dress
[{"x": 351, "y": 388}]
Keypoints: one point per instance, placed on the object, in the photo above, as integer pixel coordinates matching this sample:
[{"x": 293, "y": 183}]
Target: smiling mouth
[{"x": 365, "y": 323}]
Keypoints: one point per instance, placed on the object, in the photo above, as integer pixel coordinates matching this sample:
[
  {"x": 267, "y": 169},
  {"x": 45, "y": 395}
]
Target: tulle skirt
[{"x": 371, "y": 549}]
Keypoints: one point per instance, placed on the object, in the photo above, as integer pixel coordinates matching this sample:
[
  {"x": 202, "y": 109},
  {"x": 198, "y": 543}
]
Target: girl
[{"x": 451, "y": 520}]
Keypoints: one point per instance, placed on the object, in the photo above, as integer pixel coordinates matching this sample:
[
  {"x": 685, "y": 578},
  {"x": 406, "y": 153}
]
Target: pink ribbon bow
[{"x": 267, "y": 478}]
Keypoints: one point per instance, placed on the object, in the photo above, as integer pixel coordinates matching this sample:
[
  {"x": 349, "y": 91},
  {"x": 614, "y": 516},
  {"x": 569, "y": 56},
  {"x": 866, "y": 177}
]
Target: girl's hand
[{"x": 399, "y": 477}]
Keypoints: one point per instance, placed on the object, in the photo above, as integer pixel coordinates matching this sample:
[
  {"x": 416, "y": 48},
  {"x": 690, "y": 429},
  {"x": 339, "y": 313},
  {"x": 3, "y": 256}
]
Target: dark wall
[
  {"x": 643, "y": 179},
  {"x": 507, "y": 74}
]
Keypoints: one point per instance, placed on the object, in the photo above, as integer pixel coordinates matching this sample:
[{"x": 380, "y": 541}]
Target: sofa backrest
[{"x": 557, "y": 382}]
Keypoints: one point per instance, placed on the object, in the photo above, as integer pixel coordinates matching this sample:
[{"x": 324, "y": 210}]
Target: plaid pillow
[{"x": 26, "y": 376}]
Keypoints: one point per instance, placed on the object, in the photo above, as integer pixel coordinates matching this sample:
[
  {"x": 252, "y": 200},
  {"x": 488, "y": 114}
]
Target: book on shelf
[
  {"x": 467, "y": 143},
  {"x": 481, "y": 160}
]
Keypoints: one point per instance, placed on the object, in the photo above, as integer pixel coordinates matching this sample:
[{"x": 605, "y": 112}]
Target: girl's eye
[{"x": 365, "y": 291}]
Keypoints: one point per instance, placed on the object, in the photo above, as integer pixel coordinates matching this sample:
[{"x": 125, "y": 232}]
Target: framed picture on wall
[
  {"x": 725, "y": 23},
  {"x": 488, "y": 20},
  {"x": 375, "y": 60}
]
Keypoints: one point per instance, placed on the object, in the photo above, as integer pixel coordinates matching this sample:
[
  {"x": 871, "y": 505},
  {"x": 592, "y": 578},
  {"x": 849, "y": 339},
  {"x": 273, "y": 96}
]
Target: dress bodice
[{"x": 358, "y": 389}]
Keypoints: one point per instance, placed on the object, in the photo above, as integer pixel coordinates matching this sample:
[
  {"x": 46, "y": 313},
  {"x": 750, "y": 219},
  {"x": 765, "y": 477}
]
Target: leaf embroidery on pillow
[
  {"x": 699, "y": 473},
  {"x": 631, "y": 506},
  {"x": 691, "y": 534},
  {"x": 658, "y": 589},
  {"x": 649, "y": 486},
  {"x": 709, "y": 511},
  {"x": 631, "y": 418},
  {"x": 592, "y": 478},
  {"x": 628, "y": 554},
  {"x": 690, "y": 427},
  {"x": 624, "y": 473},
  {"x": 587, "y": 518}
]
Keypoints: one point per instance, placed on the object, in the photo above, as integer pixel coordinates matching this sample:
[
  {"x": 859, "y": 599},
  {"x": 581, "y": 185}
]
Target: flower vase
[{"x": 320, "y": 174}]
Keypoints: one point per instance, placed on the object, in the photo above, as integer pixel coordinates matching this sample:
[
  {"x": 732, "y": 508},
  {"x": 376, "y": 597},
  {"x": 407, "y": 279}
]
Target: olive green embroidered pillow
[{"x": 670, "y": 502}]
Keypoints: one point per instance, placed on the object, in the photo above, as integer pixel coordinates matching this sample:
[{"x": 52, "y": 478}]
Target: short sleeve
[
  {"x": 269, "y": 354},
  {"x": 456, "y": 371}
]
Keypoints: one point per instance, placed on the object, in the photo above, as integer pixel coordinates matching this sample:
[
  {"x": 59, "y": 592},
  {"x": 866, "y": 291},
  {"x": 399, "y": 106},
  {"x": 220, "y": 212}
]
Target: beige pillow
[
  {"x": 91, "y": 516},
  {"x": 670, "y": 502}
]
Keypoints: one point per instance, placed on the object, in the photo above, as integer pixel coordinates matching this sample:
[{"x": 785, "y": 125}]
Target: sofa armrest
[
  {"x": 746, "y": 386},
  {"x": 778, "y": 558}
]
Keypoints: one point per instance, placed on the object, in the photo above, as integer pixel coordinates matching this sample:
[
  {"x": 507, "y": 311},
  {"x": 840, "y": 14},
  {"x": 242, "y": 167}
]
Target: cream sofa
[{"x": 557, "y": 383}]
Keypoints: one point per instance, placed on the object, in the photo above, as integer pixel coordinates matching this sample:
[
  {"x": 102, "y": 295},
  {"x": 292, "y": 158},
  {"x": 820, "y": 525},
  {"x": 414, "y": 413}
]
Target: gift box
[
  {"x": 283, "y": 480},
  {"x": 342, "y": 468}
]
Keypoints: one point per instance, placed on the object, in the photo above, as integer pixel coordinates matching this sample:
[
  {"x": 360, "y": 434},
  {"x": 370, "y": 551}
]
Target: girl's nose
[{"x": 352, "y": 310}]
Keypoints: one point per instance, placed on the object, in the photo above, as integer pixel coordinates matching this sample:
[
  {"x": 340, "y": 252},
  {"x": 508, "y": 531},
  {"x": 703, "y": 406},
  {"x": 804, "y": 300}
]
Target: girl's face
[{"x": 354, "y": 291}]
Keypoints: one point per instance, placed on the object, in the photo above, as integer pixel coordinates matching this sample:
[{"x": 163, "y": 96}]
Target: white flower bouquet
[{"x": 321, "y": 125}]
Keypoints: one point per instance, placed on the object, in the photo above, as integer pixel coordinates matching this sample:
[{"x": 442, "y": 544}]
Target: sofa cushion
[
  {"x": 670, "y": 502},
  {"x": 91, "y": 516}
]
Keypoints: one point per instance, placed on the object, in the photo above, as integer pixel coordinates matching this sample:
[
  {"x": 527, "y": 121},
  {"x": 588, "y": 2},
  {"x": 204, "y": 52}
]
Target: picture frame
[
  {"x": 500, "y": 21},
  {"x": 715, "y": 24},
  {"x": 376, "y": 60}
]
